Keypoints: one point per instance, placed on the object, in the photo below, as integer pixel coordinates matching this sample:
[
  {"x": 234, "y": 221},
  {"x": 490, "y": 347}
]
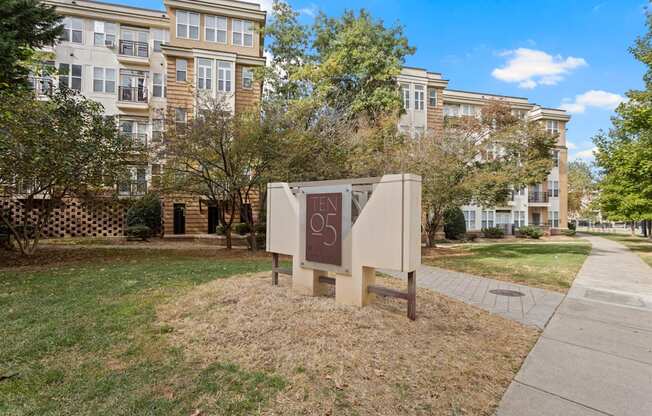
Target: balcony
[
  {"x": 42, "y": 86},
  {"x": 537, "y": 197},
  {"x": 132, "y": 98},
  {"x": 138, "y": 139},
  {"x": 137, "y": 188},
  {"x": 130, "y": 51}
]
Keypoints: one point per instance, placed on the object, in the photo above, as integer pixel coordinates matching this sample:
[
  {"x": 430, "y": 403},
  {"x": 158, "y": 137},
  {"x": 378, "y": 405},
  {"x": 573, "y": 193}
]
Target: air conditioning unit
[{"x": 110, "y": 43}]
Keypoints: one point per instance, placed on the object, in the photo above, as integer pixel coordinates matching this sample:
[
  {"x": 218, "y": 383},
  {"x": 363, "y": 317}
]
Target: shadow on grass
[{"x": 529, "y": 250}]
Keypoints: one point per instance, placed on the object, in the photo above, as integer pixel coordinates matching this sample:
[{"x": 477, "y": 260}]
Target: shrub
[
  {"x": 146, "y": 211},
  {"x": 570, "y": 233},
  {"x": 454, "y": 224},
  {"x": 260, "y": 228},
  {"x": 219, "y": 230},
  {"x": 493, "y": 232},
  {"x": 139, "y": 231},
  {"x": 572, "y": 226},
  {"x": 530, "y": 232},
  {"x": 242, "y": 228}
]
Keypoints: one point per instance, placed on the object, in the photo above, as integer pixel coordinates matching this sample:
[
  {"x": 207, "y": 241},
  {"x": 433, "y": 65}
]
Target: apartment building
[
  {"x": 428, "y": 101},
  {"x": 145, "y": 65}
]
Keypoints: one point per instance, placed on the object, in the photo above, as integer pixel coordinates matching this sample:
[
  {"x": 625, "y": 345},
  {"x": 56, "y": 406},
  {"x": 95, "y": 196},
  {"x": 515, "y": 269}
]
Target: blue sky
[{"x": 555, "y": 52}]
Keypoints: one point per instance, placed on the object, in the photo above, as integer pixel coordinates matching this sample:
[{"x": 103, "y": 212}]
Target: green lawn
[
  {"x": 80, "y": 337},
  {"x": 639, "y": 245},
  {"x": 539, "y": 264}
]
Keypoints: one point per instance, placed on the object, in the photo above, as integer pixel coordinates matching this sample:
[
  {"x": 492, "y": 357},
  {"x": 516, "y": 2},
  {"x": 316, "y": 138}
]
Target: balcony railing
[
  {"x": 132, "y": 94},
  {"x": 535, "y": 196},
  {"x": 132, "y": 48},
  {"x": 132, "y": 188},
  {"x": 42, "y": 85},
  {"x": 139, "y": 139}
]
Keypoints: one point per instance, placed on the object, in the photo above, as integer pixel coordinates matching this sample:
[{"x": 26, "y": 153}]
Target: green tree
[
  {"x": 625, "y": 153},
  {"x": 51, "y": 151},
  {"x": 581, "y": 186},
  {"x": 25, "y": 25}
]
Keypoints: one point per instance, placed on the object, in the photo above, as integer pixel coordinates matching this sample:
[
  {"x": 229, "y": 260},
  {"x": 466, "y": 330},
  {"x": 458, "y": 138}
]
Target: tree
[
  {"x": 25, "y": 25},
  {"x": 624, "y": 154},
  {"x": 51, "y": 151},
  {"x": 478, "y": 160},
  {"x": 581, "y": 186},
  {"x": 222, "y": 158}
]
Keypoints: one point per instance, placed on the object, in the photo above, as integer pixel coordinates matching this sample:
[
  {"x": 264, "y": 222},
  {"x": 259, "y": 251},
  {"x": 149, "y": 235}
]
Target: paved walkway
[
  {"x": 532, "y": 306},
  {"x": 595, "y": 356}
]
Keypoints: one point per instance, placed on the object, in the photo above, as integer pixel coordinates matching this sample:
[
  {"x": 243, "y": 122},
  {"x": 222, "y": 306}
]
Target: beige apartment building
[
  {"x": 428, "y": 101},
  {"x": 144, "y": 65}
]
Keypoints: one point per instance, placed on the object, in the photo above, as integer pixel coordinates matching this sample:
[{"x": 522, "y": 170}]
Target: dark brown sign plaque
[{"x": 324, "y": 228}]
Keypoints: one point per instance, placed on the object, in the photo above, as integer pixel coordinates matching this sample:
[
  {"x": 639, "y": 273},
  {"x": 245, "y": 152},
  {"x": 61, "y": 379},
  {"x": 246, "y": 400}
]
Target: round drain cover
[{"x": 507, "y": 292}]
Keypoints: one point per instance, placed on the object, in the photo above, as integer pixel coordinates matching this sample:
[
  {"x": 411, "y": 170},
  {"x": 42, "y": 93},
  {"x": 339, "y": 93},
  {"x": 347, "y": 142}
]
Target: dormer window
[{"x": 187, "y": 25}]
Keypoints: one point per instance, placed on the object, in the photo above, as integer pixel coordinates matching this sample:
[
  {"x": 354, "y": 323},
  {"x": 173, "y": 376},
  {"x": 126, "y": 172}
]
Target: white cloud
[
  {"x": 592, "y": 98},
  {"x": 530, "y": 67},
  {"x": 587, "y": 154},
  {"x": 309, "y": 11},
  {"x": 571, "y": 145}
]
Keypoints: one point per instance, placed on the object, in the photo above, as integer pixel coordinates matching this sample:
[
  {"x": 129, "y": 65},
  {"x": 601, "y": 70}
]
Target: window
[
  {"x": 103, "y": 79},
  {"x": 418, "y": 97},
  {"x": 215, "y": 29},
  {"x": 156, "y": 175},
  {"x": 553, "y": 189},
  {"x": 469, "y": 219},
  {"x": 519, "y": 219},
  {"x": 157, "y": 129},
  {"x": 469, "y": 110},
  {"x": 552, "y": 126},
  {"x": 72, "y": 29},
  {"x": 555, "y": 155},
  {"x": 553, "y": 221},
  {"x": 70, "y": 76},
  {"x": 487, "y": 218},
  {"x": 243, "y": 33},
  {"x": 180, "y": 115},
  {"x": 405, "y": 94},
  {"x": 159, "y": 37},
  {"x": 451, "y": 110},
  {"x": 432, "y": 97},
  {"x": 204, "y": 74},
  {"x": 223, "y": 76},
  {"x": 187, "y": 25},
  {"x": 158, "y": 85},
  {"x": 182, "y": 70},
  {"x": 247, "y": 78},
  {"x": 104, "y": 34}
]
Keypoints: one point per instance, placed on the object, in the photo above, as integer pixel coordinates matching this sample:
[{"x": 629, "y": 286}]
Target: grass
[
  {"x": 639, "y": 245},
  {"x": 546, "y": 265},
  {"x": 180, "y": 331},
  {"x": 82, "y": 337}
]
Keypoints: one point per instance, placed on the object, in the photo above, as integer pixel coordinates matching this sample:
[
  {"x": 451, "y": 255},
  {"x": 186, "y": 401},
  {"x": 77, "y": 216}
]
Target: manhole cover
[{"x": 507, "y": 292}]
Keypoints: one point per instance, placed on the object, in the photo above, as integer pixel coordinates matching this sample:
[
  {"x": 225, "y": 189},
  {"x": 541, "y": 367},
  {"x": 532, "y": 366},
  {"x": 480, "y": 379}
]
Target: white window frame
[
  {"x": 105, "y": 79},
  {"x": 469, "y": 219},
  {"x": 217, "y": 24},
  {"x": 247, "y": 78},
  {"x": 69, "y": 76},
  {"x": 72, "y": 25},
  {"x": 160, "y": 84},
  {"x": 107, "y": 32},
  {"x": 419, "y": 97},
  {"x": 180, "y": 111},
  {"x": 451, "y": 110},
  {"x": 204, "y": 74},
  {"x": 488, "y": 219},
  {"x": 224, "y": 76},
  {"x": 432, "y": 97},
  {"x": 553, "y": 221},
  {"x": 240, "y": 30},
  {"x": 159, "y": 37},
  {"x": 405, "y": 95},
  {"x": 187, "y": 23},
  {"x": 552, "y": 126},
  {"x": 184, "y": 70}
]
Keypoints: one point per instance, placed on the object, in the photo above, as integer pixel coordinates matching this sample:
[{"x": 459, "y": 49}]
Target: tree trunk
[
  {"x": 229, "y": 240},
  {"x": 644, "y": 228}
]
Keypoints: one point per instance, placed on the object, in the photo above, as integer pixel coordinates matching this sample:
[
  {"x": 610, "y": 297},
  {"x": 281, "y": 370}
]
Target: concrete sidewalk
[
  {"x": 530, "y": 306},
  {"x": 595, "y": 356}
]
